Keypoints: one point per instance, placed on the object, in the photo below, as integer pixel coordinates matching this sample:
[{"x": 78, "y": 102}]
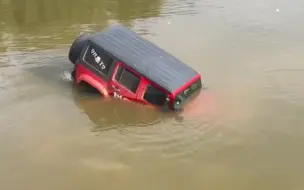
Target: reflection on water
[
  {"x": 244, "y": 131},
  {"x": 112, "y": 114}
]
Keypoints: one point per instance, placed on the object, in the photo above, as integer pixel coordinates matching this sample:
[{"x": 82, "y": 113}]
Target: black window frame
[
  {"x": 120, "y": 73},
  {"x": 93, "y": 67},
  {"x": 165, "y": 95}
]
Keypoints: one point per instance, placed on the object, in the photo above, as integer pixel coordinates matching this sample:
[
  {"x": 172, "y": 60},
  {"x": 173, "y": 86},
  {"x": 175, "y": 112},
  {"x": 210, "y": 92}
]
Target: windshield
[{"x": 187, "y": 94}]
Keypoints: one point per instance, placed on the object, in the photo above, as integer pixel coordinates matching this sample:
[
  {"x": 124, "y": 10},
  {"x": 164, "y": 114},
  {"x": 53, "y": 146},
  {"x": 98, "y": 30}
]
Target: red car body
[{"x": 121, "y": 64}]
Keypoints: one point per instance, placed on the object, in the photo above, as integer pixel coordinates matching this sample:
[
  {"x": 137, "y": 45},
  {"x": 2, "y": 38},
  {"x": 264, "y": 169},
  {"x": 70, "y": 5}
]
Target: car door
[{"x": 125, "y": 83}]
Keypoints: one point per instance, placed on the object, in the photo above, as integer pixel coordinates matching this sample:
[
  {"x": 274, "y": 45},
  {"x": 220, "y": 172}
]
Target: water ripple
[
  {"x": 180, "y": 7},
  {"x": 171, "y": 137},
  {"x": 26, "y": 59}
]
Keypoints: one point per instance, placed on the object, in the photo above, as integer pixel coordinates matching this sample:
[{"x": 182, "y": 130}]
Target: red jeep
[{"x": 119, "y": 63}]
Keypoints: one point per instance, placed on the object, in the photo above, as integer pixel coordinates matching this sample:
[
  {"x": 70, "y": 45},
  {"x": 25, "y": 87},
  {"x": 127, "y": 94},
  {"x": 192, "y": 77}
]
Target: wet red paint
[{"x": 109, "y": 88}]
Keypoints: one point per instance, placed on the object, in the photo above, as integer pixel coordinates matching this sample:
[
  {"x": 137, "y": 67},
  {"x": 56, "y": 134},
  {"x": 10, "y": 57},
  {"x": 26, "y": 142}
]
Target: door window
[
  {"x": 155, "y": 96},
  {"x": 127, "y": 79}
]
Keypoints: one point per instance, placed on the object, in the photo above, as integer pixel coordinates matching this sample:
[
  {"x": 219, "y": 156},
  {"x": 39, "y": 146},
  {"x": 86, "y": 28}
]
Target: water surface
[{"x": 244, "y": 131}]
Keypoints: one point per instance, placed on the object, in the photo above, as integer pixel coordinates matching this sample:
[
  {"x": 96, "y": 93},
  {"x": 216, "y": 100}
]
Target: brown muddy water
[{"x": 244, "y": 132}]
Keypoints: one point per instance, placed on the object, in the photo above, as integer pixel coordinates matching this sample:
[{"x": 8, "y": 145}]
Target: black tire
[{"x": 77, "y": 47}]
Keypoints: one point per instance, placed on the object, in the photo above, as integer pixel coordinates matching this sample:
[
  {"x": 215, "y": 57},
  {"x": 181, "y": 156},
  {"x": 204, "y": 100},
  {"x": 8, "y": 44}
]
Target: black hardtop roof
[{"x": 144, "y": 57}]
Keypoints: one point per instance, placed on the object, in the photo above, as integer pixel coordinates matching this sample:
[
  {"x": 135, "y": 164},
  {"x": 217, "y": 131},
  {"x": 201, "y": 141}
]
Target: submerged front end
[{"x": 187, "y": 92}]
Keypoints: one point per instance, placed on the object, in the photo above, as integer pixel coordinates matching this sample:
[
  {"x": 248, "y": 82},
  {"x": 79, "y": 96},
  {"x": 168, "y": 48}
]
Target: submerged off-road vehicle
[{"x": 121, "y": 64}]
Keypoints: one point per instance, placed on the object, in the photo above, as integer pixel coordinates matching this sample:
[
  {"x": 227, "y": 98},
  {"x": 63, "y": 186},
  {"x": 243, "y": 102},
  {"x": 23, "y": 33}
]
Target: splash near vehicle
[{"x": 121, "y": 64}]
